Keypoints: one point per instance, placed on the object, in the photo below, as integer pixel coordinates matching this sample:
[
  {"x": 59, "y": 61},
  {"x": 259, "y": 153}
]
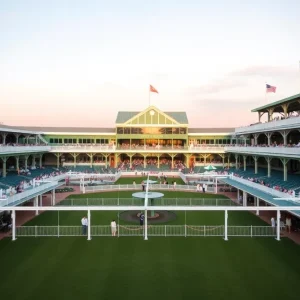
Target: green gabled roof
[
  {"x": 178, "y": 116},
  {"x": 277, "y": 103},
  {"x": 124, "y": 116}
]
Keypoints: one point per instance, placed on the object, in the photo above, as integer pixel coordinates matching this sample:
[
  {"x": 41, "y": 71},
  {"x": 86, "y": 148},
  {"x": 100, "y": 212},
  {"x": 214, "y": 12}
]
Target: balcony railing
[
  {"x": 27, "y": 194},
  {"x": 98, "y": 148},
  {"x": 274, "y": 151},
  {"x": 23, "y": 149},
  {"x": 293, "y": 122}
]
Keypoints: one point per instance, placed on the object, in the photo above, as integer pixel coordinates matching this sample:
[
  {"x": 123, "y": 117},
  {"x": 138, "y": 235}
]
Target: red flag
[{"x": 153, "y": 89}]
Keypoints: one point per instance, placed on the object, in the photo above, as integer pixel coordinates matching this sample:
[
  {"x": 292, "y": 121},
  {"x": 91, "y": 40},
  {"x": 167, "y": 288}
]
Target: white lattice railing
[
  {"x": 140, "y": 202},
  {"x": 153, "y": 230}
]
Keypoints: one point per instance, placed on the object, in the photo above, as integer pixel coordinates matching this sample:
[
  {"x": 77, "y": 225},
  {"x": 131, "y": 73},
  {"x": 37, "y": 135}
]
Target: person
[
  {"x": 142, "y": 217},
  {"x": 84, "y": 223},
  {"x": 288, "y": 223},
  {"x": 143, "y": 185},
  {"x": 198, "y": 187},
  {"x": 174, "y": 185},
  {"x": 134, "y": 183},
  {"x": 113, "y": 226},
  {"x": 204, "y": 187}
]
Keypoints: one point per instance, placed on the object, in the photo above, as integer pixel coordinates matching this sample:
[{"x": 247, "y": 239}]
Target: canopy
[{"x": 210, "y": 168}]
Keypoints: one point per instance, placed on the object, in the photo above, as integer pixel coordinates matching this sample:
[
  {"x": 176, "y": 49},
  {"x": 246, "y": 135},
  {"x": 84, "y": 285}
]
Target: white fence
[
  {"x": 124, "y": 187},
  {"x": 153, "y": 230},
  {"x": 140, "y": 202}
]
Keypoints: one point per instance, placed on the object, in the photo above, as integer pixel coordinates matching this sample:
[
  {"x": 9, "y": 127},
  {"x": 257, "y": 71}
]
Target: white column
[
  {"x": 244, "y": 198},
  {"x": 216, "y": 186},
  {"x": 13, "y": 223},
  {"x": 146, "y": 226},
  {"x": 41, "y": 200},
  {"x": 36, "y": 204},
  {"x": 257, "y": 205},
  {"x": 278, "y": 225},
  {"x": 238, "y": 196},
  {"x": 89, "y": 225},
  {"x": 53, "y": 197},
  {"x": 226, "y": 226}
]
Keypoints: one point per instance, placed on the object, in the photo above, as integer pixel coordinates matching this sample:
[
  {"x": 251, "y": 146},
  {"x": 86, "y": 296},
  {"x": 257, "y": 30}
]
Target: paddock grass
[{"x": 72, "y": 268}]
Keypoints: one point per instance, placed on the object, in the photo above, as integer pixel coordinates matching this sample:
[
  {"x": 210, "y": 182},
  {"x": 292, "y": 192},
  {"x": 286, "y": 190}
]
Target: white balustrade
[
  {"x": 293, "y": 122},
  {"x": 23, "y": 149},
  {"x": 274, "y": 151}
]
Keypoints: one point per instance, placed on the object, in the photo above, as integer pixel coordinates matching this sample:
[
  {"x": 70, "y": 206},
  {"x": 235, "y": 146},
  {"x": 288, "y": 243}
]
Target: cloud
[
  {"x": 265, "y": 71},
  {"x": 216, "y": 87}
]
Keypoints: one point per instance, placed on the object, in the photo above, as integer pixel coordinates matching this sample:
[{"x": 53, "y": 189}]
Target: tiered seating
[{"x": 276, "y": 178}]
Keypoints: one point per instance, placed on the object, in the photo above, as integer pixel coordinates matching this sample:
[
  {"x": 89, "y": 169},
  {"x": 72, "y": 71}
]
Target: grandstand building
[{"x": 262, "y": 158}]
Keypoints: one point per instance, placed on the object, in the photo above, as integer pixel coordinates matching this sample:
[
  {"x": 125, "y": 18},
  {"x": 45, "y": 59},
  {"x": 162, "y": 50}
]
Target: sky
[{"x": 77, "y": 63}]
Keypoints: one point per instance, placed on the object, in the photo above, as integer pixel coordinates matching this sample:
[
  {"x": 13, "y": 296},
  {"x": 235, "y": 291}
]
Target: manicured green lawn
[
  {"x": 72, "y": 268},
  {"x": 160, "y": 268}
]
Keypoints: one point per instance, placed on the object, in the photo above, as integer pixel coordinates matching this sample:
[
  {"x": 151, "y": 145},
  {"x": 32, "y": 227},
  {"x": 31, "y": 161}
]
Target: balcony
[
  {"x": 137, "y": 148},
  {"x": 23, "y": 149},
  {"x": 290, "y": 123},
  {"x": 288, "y": 152}
]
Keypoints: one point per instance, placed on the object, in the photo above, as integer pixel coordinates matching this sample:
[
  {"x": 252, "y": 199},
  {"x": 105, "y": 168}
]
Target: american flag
[{"x": 270, "y": 89}]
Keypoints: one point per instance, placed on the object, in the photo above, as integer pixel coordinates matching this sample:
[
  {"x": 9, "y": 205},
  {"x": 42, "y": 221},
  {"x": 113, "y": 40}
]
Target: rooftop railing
[
  {"x": 23, "y": 149},
  {"x": 292, "y": 122},
  {"x": 276, "y": 151}
]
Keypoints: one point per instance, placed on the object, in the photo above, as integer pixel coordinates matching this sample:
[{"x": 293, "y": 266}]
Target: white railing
[
  {"x": 10, "y": 200},
  {"x": 97, "y": 148},
  {"x": 260, "y": 187},
  {"x": 140, "y": 202},
  {"x": 274, "y": 151},
  {"x": 207, "y": 148},
  {"x": 153, "y": 230},
  {"x": 125, "y": 187},
  {"x": 289, "y": 123},
  {"x": 23, "y": 149},
  {"x": 83, "y": 148}
]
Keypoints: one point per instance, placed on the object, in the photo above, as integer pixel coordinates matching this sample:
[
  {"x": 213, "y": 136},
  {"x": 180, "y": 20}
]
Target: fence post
[
  {"x": 89, "y": 225},
  {"x": 35, "y": 231},
  {"x": 204, "y": 230},
  {"x": 13, "y": 217},
  {"x": 165, "y": 230},
  {"x": 226, "y": 227},
  {"x": 185, "y": 230},
  {"x": 251, "y": 230},
  {"x": 118, "y": 230}
]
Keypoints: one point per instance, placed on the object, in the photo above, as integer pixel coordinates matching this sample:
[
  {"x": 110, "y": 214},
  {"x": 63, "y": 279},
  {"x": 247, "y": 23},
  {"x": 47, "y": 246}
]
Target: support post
[
  {"x": 257, "y": 205},
  {"x": 41, "y": 200},
  {"x": 216, "y": 191},
  {"x": 245, "y": 198},
  {"x": 255, "y": 158},
  {"x": 13, "y": 223},
  {"x": 226, "y": 226},
  {"x": 53, "y": 197},
  {"x": 89, "y": 225},
  {"x": 278, "y": 225},
  {"x": 36, "y": 204},
  {"x": 245, "y": 162},
  {"x": 146, "y": 225}
]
